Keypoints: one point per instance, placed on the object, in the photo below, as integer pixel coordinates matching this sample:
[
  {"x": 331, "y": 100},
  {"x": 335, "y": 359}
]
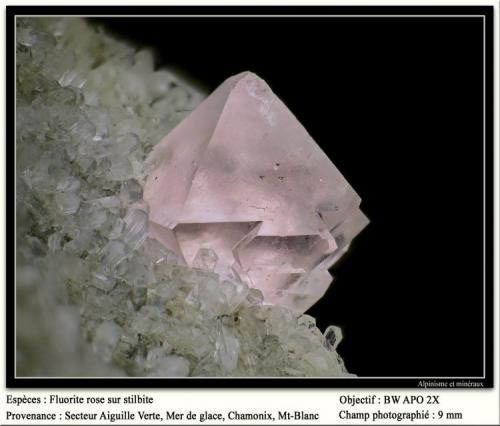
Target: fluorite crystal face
[{"x": 239, "y": 187}]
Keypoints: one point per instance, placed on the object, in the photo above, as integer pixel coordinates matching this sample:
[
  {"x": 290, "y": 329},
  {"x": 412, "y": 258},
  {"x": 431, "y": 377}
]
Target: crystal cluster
[
  {"x": 96, "y": 295},
  {"x": 241, "y": 176}
]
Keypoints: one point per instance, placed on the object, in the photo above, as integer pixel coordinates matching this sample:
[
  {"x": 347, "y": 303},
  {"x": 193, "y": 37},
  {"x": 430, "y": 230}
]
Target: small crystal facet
[{"x": 333, "y": 336}]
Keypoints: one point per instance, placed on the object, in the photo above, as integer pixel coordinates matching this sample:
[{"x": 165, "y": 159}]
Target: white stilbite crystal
[
  {"x": 106, "y": 338},
  {"x": 68, "y": 202},
  {"x": 170, "y": 366},
  {"x": 333, "y": 336},
  {"x": 241, "y": 176},
  {"x": 227, "y": 347}
]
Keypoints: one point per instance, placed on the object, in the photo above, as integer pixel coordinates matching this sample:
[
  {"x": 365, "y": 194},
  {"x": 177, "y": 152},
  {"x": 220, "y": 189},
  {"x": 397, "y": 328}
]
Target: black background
[{"x": 396, "y": 103}]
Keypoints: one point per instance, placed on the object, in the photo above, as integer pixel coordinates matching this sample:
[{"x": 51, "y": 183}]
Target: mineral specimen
[
  {"x": 95, "y": 295},
  {"x": 242, "y": 177}
]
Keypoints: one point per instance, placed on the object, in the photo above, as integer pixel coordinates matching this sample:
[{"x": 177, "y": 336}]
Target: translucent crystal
[
  {"x": 130, "y": 191},
  {"x": 136, "y": 228},
  {"x": 235, "y": 291},
  {"x": 109, "y": 203},
  {"x": 114, "y": 253},
  {"x": 333, "y": 336},
  {"x": 154, "y": 355},
  {"x": 100, "y": 118},
  {"x": 126, "y": 144},
  {"x": 68, "y": 202},
  {"x": 117, "y": 229},
  {"x": 255, "y": 296},
  {"x": 68, "y": 185},
  {"x": 227, "y": 347},
  {"x": 139, "y": 296},
  {"x": 106, "y": 338},
  {"x": 306, "y": 321},
  {"x": 103, "y": 280},
  {"x": 121, "y": 169},
  {"x": 224, "y": 178},
  {"x": 170, "y": 366},
  {"x": 205, "y": 258},
  {"x": 158, "y": 253},
  {"x": 54, "y": 241}
]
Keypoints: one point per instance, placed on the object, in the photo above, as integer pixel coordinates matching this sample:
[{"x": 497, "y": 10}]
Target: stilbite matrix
[{"x": 96, "y": 295}]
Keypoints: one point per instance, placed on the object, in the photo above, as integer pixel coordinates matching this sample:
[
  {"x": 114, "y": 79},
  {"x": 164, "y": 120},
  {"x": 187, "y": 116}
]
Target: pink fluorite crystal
[{"x": 241, "y": 176}]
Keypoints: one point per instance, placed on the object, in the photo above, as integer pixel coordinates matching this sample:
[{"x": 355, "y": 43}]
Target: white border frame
[{"x": 445, "y": 378}]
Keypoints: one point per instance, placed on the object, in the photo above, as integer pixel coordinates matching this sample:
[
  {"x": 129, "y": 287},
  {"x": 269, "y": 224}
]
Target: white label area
[{"x": 236, "y": 406}]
